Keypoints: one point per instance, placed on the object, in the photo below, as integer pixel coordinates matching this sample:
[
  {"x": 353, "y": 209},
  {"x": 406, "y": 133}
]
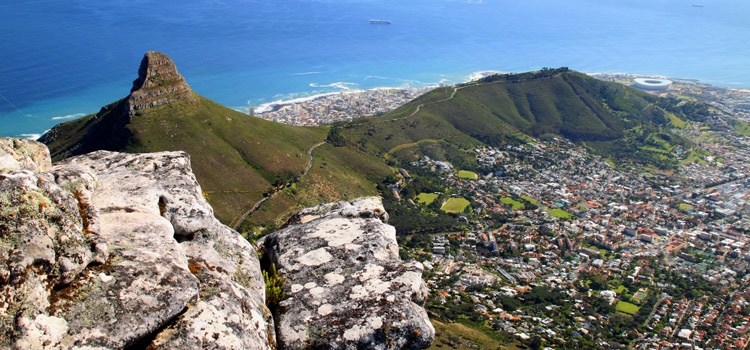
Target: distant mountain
[
  {"x": 613, "y": 119},
  {"x": 237, "y": 158}
]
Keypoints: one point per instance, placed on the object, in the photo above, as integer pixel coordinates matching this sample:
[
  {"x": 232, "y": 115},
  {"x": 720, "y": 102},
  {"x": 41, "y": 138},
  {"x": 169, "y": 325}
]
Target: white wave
[
  {"x": 31, "y": 136},
  {"x": 343, "y": 85},
  {"x": 269, "y": 106},
  {"x": 303, "y": 73},
  {"x": 69, "y": 116}
]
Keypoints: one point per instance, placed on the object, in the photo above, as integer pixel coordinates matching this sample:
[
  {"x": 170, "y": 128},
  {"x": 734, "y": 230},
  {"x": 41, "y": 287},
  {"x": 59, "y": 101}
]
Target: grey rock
[
  {"x": 346, "y": 286},
  {"x": 228, "y": 310},
  {"x": 22, "y": 154},
  {"x": 110, "y": 250},
  {"x": 44, "y": 245}
]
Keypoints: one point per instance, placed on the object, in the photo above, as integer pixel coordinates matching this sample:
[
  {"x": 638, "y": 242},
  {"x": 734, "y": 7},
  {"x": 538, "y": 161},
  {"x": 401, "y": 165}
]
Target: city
[{"x": 563, "y": 249}]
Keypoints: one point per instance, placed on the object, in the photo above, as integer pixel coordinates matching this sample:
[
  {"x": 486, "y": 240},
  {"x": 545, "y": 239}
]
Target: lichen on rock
[
  {"x": 346, "y": 286},
  {"x": 112, "y": 250}
]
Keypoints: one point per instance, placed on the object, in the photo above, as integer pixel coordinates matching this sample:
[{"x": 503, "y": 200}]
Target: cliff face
[
  {"x": 113, "y": 250},
  {"x": 158, "y": 83},
  {"x": 110, "y": 250}
]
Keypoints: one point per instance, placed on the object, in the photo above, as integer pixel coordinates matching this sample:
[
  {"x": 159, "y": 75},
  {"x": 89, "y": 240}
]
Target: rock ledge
[{"x": 346, "y": 286}]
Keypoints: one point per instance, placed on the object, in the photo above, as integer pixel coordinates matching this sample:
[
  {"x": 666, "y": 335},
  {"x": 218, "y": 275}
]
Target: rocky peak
[{"x": 158, "y": 83}]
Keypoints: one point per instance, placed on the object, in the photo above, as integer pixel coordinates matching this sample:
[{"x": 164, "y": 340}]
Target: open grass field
[
  {"x": 469, "y": 175},
  {"x": 426, "y": 198},
  {"x": 676, "y": 121},
  {"x": 530, "y": 199},
  {"x": 628, "y": 308},
  {"x": 560, "y": 214},
  {"x": 455, "y": 205},
  {"x": 515, "y": 205},
  {"x": 743, "y": 129}
]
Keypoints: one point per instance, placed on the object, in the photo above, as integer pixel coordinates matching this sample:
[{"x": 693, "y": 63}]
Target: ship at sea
[{"x": 380, "y": 21}]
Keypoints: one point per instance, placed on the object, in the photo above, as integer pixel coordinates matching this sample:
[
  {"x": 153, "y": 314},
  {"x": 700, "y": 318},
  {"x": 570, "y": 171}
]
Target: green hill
[
  {"x": 612, "y": 119},
  {"x": 237, "y": 158}
]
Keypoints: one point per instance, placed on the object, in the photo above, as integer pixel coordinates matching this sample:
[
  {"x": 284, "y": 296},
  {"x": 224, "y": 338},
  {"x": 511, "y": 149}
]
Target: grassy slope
[
  {"x": 459, "y": 336},
  {"x": 236, "y": 157},
  {"x": 612, "y": 119},
  {"x": 338, "y": 173}
]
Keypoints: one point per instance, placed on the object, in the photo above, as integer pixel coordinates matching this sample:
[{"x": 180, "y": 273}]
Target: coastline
[
  {"x": 337, "y": 106},
  {"x": 348, "y": 104}
]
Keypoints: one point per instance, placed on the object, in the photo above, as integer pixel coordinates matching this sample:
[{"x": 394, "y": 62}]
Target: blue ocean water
[{"x": 63, "y": 59}]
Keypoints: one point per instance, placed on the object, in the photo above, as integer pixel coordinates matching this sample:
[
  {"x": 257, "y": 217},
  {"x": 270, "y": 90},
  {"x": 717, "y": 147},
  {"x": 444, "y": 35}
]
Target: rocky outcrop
[
  {"x": 110, "y": 250},
  {"x": 158, "y": 83},
  {"x": 23, "y": 154},
  {"x": 346, "y": 287}
]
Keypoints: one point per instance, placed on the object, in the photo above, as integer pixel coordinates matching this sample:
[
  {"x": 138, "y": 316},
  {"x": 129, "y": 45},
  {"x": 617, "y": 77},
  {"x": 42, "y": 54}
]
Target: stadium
[{"x": 652, "y": 84}]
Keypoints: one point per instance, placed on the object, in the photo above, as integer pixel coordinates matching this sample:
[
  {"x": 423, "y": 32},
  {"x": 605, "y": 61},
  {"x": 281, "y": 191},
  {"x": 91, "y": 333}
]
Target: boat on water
[{"x": 380, "y": 21}]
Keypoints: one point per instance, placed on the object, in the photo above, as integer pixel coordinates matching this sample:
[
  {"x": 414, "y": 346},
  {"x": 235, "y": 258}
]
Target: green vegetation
[
  {"x": 239, "y": 160},
  {"x": 620, "y": 289},
  {"x": 469, "y": 175},
  {"x": 274, "y": 287},
  {"x": 515, "y": 205},
  {"x": 628, "y": 308},
  {"x": 427, "y": 198},
  {"x": 454, "y": 335},
  {"x": 676, "y": 121},
  {"x": 337, "y": 173},
  {"x": 530, "y": 199},
  {"x": 685, "y": 207},
  {"x": 611, "y": 119},
  {"x": 743, "y": 128},
  {"x": 455, "y": 205},
  {"x": 560, "y": 214}
]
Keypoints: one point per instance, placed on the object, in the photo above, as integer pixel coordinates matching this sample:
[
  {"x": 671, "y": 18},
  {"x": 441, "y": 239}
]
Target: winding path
[
  {"x": 453, "y": 94},
  {"x": 236, "y": 223}
]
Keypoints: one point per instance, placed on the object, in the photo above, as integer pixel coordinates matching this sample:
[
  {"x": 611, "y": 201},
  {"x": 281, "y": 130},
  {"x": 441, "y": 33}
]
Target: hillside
[
  {"x": 237, "y": 158},
  {"x": 612, "y": 119},
  {"x": 240, "y": 160}
]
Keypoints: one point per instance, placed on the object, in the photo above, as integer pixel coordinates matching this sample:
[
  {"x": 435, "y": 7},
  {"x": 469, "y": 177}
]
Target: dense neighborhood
[{"x": 556, "y": 247}]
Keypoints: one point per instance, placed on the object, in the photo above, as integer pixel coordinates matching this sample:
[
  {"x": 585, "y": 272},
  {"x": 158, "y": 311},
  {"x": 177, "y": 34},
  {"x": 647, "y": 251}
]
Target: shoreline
[
  {"x": 345, "y": 105},
  {"x": 389, "y": 98},
  {"x": 337, "y": 106}
]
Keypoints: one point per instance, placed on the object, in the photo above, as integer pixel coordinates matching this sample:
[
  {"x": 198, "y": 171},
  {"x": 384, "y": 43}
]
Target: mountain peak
[{"x": 158, "y": 83}]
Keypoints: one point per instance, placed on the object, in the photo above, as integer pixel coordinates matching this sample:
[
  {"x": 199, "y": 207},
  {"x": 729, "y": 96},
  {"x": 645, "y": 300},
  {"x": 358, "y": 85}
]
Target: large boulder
[
  {"x": 345, "y": 285},
  {"x": 111, "y": 250},
  {"x": 17, "y": 154}
]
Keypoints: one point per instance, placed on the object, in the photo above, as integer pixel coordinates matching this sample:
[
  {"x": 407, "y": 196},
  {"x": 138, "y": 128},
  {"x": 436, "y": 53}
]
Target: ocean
[{"x": 64, "y": 59}]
